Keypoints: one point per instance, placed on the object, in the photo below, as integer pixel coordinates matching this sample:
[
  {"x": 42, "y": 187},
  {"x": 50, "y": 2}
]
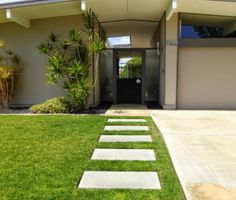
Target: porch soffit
[
  {"x": 113, "y": 10},
  {"x": 41, "y": 11}
]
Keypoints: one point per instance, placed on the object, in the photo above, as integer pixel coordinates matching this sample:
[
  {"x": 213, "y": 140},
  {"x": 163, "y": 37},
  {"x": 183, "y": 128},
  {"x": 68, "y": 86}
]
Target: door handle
[{"x": 138, "y": 81}]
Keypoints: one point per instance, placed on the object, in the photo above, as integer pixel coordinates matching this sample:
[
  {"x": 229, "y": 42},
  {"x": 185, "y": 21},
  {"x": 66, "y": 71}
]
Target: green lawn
[{"x": 43, "y": 157}]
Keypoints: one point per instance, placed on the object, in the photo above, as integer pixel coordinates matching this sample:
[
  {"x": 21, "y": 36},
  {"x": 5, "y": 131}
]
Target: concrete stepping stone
[
  {"x": 119, "y": 180},
  {"x": 127, "y": 120},
  {"x": 126, "y": 128},
  {"x": 125, "y": 138},
  {"x": 124, "y": 154}
]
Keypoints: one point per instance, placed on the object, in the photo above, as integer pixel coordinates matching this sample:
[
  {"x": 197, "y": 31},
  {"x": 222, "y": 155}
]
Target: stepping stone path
[
  {"x": 119, "y": 180},
  {"x": 125, "y": 138},
  {"x": 127, "y": 120},
  {"x": 122, "y": 179},
  {"x": 124, "y": 154},
  {"x": 126, "y": 128}
]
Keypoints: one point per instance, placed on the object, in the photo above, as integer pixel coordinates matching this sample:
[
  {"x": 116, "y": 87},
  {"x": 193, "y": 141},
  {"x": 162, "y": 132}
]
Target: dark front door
[{"x": 129, "y": 77}]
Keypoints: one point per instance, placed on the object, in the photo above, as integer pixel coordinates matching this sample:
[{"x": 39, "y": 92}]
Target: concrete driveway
[{"x": 202, "y": 145}]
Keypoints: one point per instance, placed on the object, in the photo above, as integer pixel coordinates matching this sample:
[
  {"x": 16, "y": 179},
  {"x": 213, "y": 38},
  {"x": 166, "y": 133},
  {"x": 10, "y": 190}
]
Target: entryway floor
[{"x": 128, "y": 110}]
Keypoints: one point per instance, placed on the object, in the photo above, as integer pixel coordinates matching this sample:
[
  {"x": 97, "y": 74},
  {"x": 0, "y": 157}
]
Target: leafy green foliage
[
  {"x": 132, "y": 69},
  {"x": 67, "y": 61},
  {"x": 53, "y": 106},
  {"x": 74, "y": 36},
  {"x": 78, "y": 93},
  {"x": 90, "y": 21},
  {"x": 96, "y": 45}
]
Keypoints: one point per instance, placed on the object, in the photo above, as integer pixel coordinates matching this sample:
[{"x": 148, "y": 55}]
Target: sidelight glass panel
[
  {"x": 106, "y": 76},
  {"x": 152, "y": 76}
]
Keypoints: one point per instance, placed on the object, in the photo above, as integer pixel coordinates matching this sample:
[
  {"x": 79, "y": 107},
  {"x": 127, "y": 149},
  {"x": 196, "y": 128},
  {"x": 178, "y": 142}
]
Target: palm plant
[
  {"x": 95, "y": 47},
  {"x": 90, "y": 21},
  {"x": 67, "y": 60},
  {"x": 95, "y": 44}
]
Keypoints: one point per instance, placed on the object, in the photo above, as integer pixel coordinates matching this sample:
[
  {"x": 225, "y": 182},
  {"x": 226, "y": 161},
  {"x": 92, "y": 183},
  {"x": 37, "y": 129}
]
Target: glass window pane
[
  {"x": 106, "y": 76},
  {"x": 119, "y": 42},
  {"x": 207, "y": 26},
  {"x": 130, "y": 67},
  {"x": 152, "y": 76}
]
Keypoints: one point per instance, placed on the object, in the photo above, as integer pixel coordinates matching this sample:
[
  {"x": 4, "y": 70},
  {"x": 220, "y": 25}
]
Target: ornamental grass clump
[{"x": 9, "y": 74}]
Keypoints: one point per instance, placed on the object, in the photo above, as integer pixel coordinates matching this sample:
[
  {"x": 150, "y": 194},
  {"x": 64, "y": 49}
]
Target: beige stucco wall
[
  {"x": 33, "y": 87},
  {"x": 171, "y": 57},
  {"x": 207, "y": 78},
  {"x": 141, "y": 32}
]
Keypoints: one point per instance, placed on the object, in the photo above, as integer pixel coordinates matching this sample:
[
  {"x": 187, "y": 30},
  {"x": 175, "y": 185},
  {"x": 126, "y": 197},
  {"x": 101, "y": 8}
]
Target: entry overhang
[
  {"x": 22, "y": 3},
  {"x": 17, "y": 18},
  {"x": 172, "y": 9},
  {"x": 22, "y": 13}
]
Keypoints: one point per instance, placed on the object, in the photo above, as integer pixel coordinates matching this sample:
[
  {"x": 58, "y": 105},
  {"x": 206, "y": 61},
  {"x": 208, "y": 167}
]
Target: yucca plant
[
  {"x": 67, "y": 60},
  {"x": 95, "y": 45},
  {"x": 90, "y": 21},
  {"x": 9, "y": 72}
]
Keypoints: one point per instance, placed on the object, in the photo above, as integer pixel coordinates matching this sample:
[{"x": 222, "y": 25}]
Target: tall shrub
[
  {"x": 95, "y": 44},
  {"x": 67, "y": 60},
  {"x": 9, "y": 72}
]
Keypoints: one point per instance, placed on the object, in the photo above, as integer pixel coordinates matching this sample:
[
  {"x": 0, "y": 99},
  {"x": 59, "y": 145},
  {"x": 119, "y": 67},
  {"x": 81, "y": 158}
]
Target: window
[
  {"x": 194, "y": 31},
  {"x": 119, "y": 42},
  {"x": 130, "y": 67},
  {"x": 204, "y": 26}
]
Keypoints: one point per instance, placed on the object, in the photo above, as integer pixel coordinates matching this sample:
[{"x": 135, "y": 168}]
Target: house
[{"x": 178, "y": 53}]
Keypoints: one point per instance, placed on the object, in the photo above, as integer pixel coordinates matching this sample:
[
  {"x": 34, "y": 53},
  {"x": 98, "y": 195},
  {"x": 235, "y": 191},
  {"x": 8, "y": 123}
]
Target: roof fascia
[{"x": 30, "y": 3}]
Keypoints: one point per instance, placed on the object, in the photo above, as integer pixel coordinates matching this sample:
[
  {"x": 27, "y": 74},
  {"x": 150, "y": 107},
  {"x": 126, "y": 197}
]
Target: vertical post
[{"x": 171, "y": 62}]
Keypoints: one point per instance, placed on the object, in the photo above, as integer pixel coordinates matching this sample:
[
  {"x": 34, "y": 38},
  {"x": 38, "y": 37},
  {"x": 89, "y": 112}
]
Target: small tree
[
  {"x": 67, "y": 60},
  {"x": 9, "y": 72},
  {"x": 95, "y": 44}
]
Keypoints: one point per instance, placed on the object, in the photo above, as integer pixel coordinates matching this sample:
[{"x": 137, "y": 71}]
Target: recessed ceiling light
[
  {"x": 174, "y": 4},
  {"x": 83, "y": 5},
  {"x": 8, "y": 14}
]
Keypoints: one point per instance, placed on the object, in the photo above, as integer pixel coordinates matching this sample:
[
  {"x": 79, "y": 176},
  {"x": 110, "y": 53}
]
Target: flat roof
[{"x": 20, "y": 3}]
